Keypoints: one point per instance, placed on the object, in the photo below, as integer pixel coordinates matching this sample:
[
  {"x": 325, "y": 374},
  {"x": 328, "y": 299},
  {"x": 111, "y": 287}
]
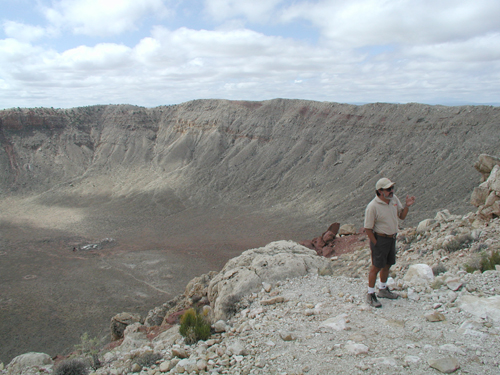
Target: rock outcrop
[
  {"x": 246, "y": 273},
  {"x": 487, "y": 195}
]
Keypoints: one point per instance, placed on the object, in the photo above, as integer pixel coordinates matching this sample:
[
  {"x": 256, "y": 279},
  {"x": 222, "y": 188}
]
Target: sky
[{"x": 72, "y": 53}]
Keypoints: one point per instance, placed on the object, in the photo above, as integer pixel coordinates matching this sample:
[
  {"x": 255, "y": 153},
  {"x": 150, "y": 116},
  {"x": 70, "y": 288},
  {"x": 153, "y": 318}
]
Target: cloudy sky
[{"x": 69, "y": 53}]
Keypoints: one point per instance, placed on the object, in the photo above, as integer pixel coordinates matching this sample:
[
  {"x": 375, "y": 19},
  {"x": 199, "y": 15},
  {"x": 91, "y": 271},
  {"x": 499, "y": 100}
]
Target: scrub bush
[
  {"x": 194, "y": 326},
  {"x": 483, "y": 263},
  {"x": 71, "y": 367}
]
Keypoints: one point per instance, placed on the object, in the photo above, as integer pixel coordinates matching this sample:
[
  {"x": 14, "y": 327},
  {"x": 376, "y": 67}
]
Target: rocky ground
[{"x": 320, "y": 324}]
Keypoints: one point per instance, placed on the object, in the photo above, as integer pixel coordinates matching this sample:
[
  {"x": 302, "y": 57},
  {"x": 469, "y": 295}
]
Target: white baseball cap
[{"x": 384, "y": 183}]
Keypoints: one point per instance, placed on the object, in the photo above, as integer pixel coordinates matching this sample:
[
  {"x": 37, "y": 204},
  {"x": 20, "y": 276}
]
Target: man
[{"x": 381, "y": 224}]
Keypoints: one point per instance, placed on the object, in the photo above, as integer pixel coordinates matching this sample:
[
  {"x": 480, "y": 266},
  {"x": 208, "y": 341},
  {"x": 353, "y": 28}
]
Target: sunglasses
[{"x": 389, "y": 189}]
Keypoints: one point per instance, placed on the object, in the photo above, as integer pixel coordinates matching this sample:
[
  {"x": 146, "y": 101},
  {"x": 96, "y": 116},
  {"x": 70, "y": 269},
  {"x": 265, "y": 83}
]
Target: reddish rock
[
  {"x": 329, "y": 244},
  {"x": 307, "y": 244},
  {"x": 334, "y": 228},
  {"x": 328, "y": 236},
  {"x": 318, "y": 243},
  {"x": 328, "y": 251}
]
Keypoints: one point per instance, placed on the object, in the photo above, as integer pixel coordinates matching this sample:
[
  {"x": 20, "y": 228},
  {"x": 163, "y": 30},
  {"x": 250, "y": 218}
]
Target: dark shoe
[
  {"x": 386, "y": 293},
  {"x": 372, "y": 300}
]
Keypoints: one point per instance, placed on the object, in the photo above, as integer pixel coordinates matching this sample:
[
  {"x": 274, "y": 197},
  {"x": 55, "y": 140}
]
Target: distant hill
[{"x": 319, "y": 159}]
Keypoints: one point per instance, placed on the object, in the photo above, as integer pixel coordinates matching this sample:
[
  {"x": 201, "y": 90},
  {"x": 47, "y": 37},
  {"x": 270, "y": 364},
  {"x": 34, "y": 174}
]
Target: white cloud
[
  {"x": 102, "y": 17},
  {"x": 394, "y": 51},
  {"x": 23, "y": 32},
  {"x": 255, "y": 10},
  {"x": 481, "y": 48},
  {"x": 358, "y": 23}
]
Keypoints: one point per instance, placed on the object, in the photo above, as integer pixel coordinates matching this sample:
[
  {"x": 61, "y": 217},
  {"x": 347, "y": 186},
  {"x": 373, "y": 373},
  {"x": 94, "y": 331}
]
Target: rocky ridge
[{"x": 315, "y": 320}]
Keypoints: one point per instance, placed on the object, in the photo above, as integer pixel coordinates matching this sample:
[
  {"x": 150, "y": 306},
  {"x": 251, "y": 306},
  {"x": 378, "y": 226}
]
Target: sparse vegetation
[
  {"x": 484, "y": 262},
  {"x": 148, "y": 359},
  {"x": 194, "y": 326},
  {"x": 439, "y": 269},
  {"x": 437, "y": 283},
  {"x": 88, "y": 346},
  {"x": 457, "y": 243},
  {"x": 71, "y": 367}
]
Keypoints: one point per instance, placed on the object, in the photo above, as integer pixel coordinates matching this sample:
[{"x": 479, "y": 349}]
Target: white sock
[
  {"x": 371, "y": 290},
  {"x": 382, "y": 285}
]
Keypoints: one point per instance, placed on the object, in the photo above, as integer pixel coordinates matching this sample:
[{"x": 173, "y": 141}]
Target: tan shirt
[{"x": 382, "y": 217}]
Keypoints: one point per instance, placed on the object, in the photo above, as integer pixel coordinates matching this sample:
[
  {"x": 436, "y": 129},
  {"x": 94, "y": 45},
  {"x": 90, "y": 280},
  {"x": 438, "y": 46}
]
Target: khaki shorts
[{"x": 384, "y": 252}]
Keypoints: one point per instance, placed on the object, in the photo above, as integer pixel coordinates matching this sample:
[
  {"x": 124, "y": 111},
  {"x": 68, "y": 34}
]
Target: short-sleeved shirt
[{"x": 382, "y": 217}]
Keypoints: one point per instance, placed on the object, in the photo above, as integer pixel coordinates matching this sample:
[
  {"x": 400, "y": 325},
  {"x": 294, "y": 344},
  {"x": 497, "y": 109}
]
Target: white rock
[
  {"x": 356, "y": 349},
  {"x": 446, "y": 364},
  {"x": 411, "y": 359},
  {"x": 245, "y": 274},
  {"x": 267, "y": 287},
  {"x": 237, "y": 348},
  {"x": 27, "y": 360},
  {"x": 480, "y": 306},
  {"x": 493, "y": 180},
  {"x": 165, "y": 366},
  {"x": 347, "y": 229},
  {"x": 425, "y": 225},
  {"x": 169, "y": 337},
  {"x": 338, "y": 323},
  {"x": 419, "y": 274},
  {"x": 385, "y": 361},
  {"x": 412, "y": 295},
  {"x": 220, "y": 326},
  {"x": 443, "y": 215},
  {"x": 454, "y": 283},
  {"x": 187, "y": 364}
]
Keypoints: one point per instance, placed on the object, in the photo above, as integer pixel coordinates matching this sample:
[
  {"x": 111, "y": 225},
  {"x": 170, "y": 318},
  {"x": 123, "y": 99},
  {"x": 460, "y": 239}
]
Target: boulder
[
  {"x": 419, "y": 274},
  {"x": 443, "y": 215},
  {"x": 24, "y": 362},
  {"x": 493, "y": 180},
  {"x": 425, "y": 225},
  {"x": 347, "y": 230},
  {"x": 120, "y": 321},
  {"x": 133, "y": 340},
  {"x": 198, "y": 286},
  {"x": 245, "y": 274},
  {"x": 445, "y": 365},
  {"x": 481, "y": 306},
  {"x": 318, "y": 243},
  {"x": 169, "y": 337},
  {"x": 328, "y": 236},
  {"x": 485, "y": 164},
  {"x": 334, "y": 228},
  {"x": 479, "y": 195},
  {"x": 327, "y": 251}
]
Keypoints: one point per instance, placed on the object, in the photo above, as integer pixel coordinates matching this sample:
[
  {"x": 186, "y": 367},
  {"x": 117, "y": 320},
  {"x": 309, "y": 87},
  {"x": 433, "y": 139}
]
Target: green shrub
[
  {"x": 194, "y": 326},
  {"x": 88, "y": 346},
  {"x": 483, "y": 263},
  {"x": 71, "y": 367}
]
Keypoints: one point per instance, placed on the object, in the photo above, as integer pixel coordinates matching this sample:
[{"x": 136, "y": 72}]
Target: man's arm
[
  {"x": 409, "y": 202},
  {"x": 371, "y": 236}
]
